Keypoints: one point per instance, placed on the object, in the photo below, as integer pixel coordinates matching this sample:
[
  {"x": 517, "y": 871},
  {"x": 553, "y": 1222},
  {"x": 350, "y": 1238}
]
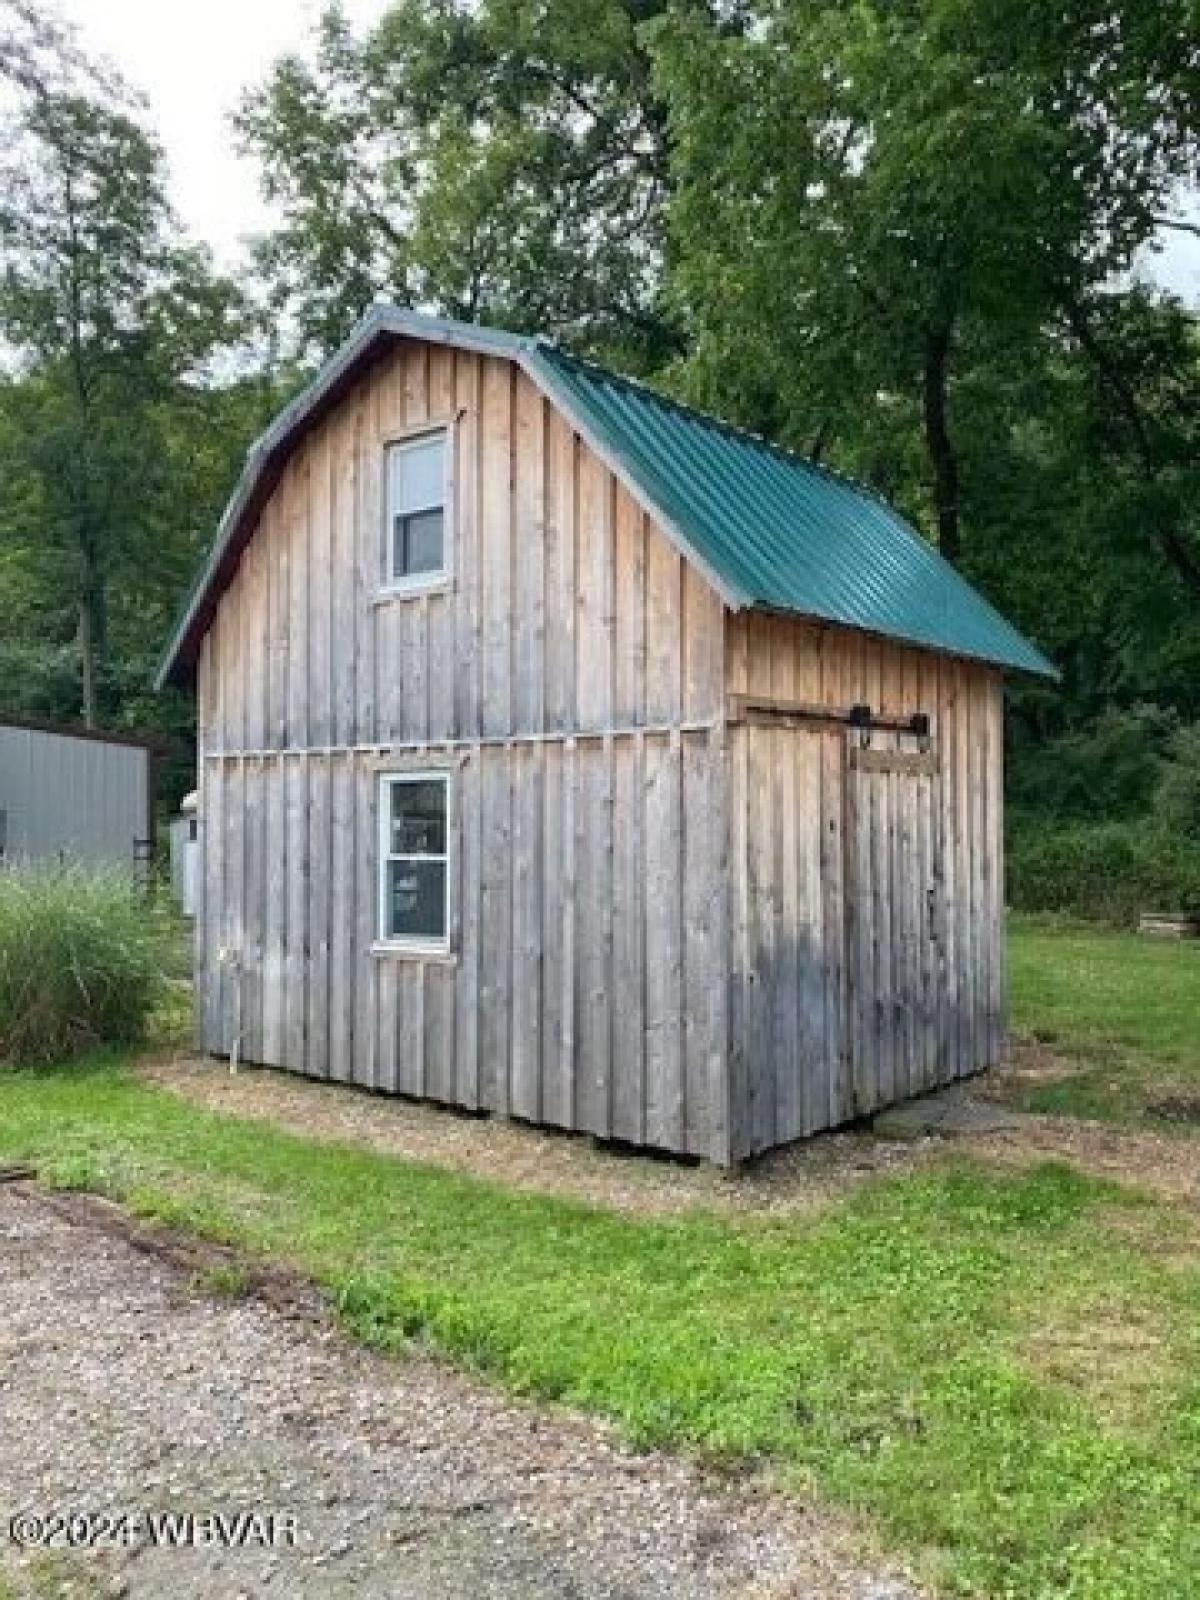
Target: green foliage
[
  {"x": 874, "y": 200},
  {"x": 81, "y": 962},
  {"x": 117, "y": 443},
  {"x": 887, "y": 1348},
  {"x": 1112, "y": 871},
  {"x": 899, "y": 236},
  {"x": 1107, "y": 770},
  {"x": 502, "y": 161},
  {"x": 1177, "y": 797}
]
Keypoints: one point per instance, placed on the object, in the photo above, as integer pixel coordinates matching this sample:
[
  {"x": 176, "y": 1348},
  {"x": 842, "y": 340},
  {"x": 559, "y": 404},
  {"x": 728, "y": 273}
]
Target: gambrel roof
[{"x": 769, "y": 529}]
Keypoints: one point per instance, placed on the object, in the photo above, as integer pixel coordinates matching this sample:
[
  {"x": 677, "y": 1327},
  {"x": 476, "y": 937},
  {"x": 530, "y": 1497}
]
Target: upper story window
[{"x": 416, "y": 554}]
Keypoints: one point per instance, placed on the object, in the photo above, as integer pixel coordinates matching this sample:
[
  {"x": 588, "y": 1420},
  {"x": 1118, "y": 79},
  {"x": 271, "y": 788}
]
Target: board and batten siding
[
  {"x": 865, "y": 886},
  {"x": 571, "y": 679}
]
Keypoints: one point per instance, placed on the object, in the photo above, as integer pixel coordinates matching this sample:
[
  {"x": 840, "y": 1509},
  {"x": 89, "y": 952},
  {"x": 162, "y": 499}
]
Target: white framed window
[
  {"x": 414, "y": 861},
  {"x": 416, "y": 551}
]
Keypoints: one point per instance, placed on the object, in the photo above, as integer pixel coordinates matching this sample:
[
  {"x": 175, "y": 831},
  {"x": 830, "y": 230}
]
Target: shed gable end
[{"x": 567, "y": 607}]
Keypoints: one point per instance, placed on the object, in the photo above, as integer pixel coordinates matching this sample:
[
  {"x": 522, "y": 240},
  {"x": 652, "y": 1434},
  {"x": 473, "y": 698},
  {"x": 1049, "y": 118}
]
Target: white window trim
[
  {"x": 391, "y": 944},
  {"x": 418, "y": 583}
]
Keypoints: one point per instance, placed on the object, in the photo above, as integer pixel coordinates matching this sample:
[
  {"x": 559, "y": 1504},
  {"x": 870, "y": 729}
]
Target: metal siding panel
[{"x": 78, "y": 798}]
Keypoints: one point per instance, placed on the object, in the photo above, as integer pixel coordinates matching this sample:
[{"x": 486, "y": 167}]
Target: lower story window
[{"x": 414, "y": 861}]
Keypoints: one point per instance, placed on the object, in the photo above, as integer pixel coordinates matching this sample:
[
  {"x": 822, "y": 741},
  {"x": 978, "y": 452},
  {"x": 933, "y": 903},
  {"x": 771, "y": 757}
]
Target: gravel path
[{"x": 125, "y": 1389}]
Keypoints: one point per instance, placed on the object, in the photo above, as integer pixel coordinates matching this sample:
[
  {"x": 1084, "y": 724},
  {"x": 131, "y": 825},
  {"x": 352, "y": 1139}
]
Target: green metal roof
[
  {"x": 779, "y": 531},
  {"x": 769, "y": 529}
]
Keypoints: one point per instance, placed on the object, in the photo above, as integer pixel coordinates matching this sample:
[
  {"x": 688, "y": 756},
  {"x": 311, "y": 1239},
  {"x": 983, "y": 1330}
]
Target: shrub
[
  {"x": 1177, "y": 797},
  {"x": 1101, "y": 772},
  {"x": 1110, "y": 870},
  {"x": 81, "y": 962}
]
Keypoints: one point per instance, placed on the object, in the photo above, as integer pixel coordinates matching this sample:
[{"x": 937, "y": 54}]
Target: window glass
[
  {"x": 416, "y": 508},
  {"x": 414, "y": 859},
  {"x": 420, "y": 473},
  {"x": 417, "y": 540},
  {"x": 417, "y": 899},
  {"x": 419, "y": 818}
]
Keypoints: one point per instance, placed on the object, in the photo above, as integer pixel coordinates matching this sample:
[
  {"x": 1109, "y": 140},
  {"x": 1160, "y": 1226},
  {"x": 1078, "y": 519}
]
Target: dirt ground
[
  {"x": 124, "y": 1389},
  {"x": 802, "y": 1177}
]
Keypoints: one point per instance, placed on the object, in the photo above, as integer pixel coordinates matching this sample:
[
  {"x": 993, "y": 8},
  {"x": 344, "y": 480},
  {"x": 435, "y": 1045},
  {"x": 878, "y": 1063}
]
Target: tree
[
  {"x": 869, "y": 195},
  {"x": 38, "y": 53},
  {"x": 505, "y": 161},
  {"x": 109, "y": 313}
]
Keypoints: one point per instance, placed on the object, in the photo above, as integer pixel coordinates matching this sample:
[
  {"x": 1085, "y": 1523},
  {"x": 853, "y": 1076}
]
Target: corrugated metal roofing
[
  {"x": 771, "y": 530},
  {"x": 781, "y": 532}
]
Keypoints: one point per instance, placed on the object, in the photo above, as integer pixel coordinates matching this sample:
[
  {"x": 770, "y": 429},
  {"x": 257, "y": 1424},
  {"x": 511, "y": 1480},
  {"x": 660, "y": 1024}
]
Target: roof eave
[{"x": 1037, "y": 666}]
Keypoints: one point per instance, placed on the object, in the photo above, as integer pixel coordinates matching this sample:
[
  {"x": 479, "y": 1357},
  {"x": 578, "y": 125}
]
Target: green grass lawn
[
  {"x": 998, "y": 1368},
  {"x": 1126, "y": 1008}
]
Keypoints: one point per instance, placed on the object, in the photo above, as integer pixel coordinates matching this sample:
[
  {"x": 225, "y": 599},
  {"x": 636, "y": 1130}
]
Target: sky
[{"x": 193, "y": 61}]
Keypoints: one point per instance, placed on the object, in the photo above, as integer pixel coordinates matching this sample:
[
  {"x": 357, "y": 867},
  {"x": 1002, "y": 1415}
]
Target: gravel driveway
[{"x": 124, "y": 1389}]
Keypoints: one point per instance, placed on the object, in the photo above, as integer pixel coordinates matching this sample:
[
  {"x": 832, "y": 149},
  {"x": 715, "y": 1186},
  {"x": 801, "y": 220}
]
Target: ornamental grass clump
[{"x": 82, "y": 958}]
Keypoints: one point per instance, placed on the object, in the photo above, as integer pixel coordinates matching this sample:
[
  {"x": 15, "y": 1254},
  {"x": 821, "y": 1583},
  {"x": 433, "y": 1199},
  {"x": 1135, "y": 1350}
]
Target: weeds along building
[{"x": 566, "y": 754}]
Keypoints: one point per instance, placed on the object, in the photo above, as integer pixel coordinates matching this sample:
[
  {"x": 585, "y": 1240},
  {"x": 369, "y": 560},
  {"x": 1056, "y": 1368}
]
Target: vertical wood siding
[
  {"x": 865, "y": 906},
  {"x": 666, "y": 929},
  {"x": 571, "y": 678}
]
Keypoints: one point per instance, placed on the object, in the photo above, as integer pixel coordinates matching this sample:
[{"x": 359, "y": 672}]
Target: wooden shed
[{"x": 566, "y": 754}]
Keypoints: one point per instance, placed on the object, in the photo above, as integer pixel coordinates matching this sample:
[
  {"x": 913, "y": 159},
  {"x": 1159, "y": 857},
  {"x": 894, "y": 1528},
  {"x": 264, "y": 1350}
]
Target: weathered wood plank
[
  {"x": 594, "y": 620},
  {"x": 994, "y": 846},
  {"x": 495, "y": 561},
  {"x": 341, "y": 579},
  {"x": 320, "y": 598},
  {"x": 529, "y": 620},
  {"x": 366, "y": 921},
  {"x": 295, "y": 1025},
  {"x": 275, "y": 874},
  {"x": 212, "y": 926},
  {"x": 555, "y": 1076},
  {"x": 465, "y": 499},
  {"x": 343, "y": 961},
  {"x": 232, "y": 953},
  {"x": 468, "y": 1074},
  {"x": 628, "y": 926},
  {"x": 786, "y": 1064},
  {"x": 410, "y": 1027},
  {"x": 704, "y": 966},
  {"x": 495, "y": 930},
  {"x": 665, "y": 1110},
  {"x": 593, "y": 949},
  {"x": 663, "y": 625},
  {"x": 439, "y": 1045},
  {"x": 528, "y": 865},
  {"x": 629, "y": 643},
  {"x": 562, "y": 480},
  {"x": 320, "y": 842}
]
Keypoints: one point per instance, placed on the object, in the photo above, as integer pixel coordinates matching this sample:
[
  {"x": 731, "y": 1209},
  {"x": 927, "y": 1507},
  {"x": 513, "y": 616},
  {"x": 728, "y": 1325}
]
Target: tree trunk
[
  {"x": 942, "y": 457},
  {"x": 1171, "y": 541},
  {"x": 92, "y": 631}
]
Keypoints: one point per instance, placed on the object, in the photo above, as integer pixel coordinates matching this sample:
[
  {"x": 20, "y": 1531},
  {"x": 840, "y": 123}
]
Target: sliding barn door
[{"x": 894, "y": 920}]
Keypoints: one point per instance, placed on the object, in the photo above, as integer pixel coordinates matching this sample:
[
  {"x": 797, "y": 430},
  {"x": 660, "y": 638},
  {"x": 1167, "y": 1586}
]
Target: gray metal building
[{"x": 74, "y": 795}]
